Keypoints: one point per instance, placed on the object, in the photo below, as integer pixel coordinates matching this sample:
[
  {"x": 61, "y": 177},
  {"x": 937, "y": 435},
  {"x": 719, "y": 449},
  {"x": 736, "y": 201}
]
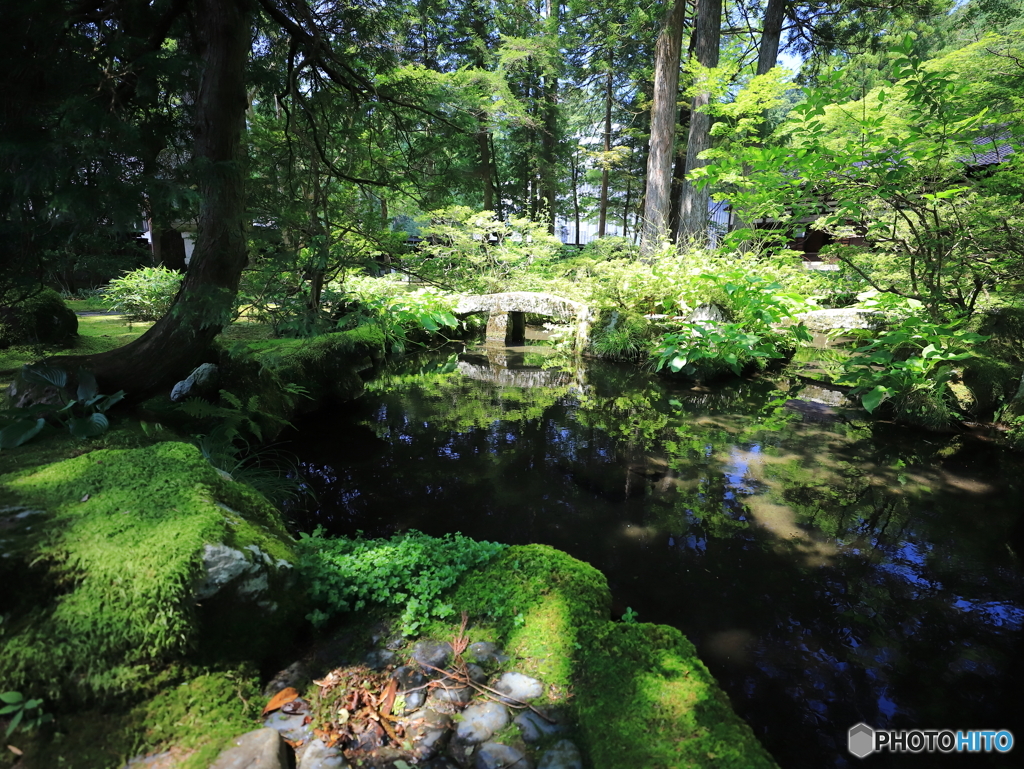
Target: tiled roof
[{"x": 990, "y": 150}]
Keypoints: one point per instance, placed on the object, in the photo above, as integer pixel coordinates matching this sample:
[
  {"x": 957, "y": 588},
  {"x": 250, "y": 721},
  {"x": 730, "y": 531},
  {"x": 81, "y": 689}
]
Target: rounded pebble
[
  {"x": 429, "y": 655},
  {"x": 481, "y": 721},
  {"x": 532, "y": 727},
  {"x": 562, "y": 755},
  {"x": 517, "y": 686},
  {"x": 494, "y": 755},
  {"x": 316, "y": 755}
]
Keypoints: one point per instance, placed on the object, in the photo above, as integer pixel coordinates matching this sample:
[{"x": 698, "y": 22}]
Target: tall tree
[
  {"x": 694, "y": 200},
  {"x": 663, "y": 127}
]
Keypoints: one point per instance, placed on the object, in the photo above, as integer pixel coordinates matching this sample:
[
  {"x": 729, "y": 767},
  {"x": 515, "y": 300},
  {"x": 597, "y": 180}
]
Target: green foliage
[
  {"x": 410, "y": 570},
  {"x": 476, "y": 252},
  {"x": 629, "y": 616},
  {"x": 38, "y": 317},
  {"x": 235, "y": 418},
  {"x": 401, "y": 316},
  {"x": 895, "y": 165},
  {"x": 909, "y": 367},
  {"x": 621, "y": 336},
  {"x": 143, "y": 294},
  {"x": 82, "y": 409},
  {"x": 756, "y": 306},
  {"x": 27, "y": 714}
]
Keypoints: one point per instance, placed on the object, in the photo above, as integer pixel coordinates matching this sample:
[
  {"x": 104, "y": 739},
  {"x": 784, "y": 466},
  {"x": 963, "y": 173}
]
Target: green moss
[
  {"x": 645, "y": 699},
  {"x": 194, "y": 715},
  {"x": 98, "y": 586},
  {"x": 42, "y": 318},
  {"x": 639, "y": 693}
]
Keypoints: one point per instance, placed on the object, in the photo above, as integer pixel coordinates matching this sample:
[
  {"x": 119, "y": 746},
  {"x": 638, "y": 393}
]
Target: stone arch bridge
[{"x": 506, "y": 314}]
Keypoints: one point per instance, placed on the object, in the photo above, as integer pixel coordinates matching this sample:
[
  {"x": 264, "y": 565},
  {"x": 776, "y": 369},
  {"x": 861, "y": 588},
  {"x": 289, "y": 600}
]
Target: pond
[{"x": 829, "y": 570}]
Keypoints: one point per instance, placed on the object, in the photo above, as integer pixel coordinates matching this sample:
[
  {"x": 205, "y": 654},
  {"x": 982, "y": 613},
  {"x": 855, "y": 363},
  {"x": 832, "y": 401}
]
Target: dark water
[{"x": 828, "y": 572}]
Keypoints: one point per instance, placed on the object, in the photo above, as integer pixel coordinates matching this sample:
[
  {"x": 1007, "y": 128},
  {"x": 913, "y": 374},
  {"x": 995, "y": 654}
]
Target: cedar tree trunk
[
  {"x": 178, "y": 341},
  {"x": 663, "y": 129},
  {"x": 693, "y": 203}
]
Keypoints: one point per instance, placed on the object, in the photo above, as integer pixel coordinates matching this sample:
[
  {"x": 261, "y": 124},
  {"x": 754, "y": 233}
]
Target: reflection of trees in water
[{"x": 911, "y": 602}]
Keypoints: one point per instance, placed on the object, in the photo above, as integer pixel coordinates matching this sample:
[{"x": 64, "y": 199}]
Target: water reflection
[{"x": 829, "y": 571}]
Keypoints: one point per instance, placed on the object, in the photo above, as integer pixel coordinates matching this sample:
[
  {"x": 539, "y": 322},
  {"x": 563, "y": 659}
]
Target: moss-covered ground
[
  {"x": 100, "y": 553},
  {"x": 639, "y": 693}
]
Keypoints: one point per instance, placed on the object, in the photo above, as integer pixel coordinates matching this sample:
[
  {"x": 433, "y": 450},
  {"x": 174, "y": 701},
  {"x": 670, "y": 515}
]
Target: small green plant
[
  {"x": 629, "y": 616},
  {"x": 81, "y": 410},
  {"x": 703, "y": 346},
  {"x": 27, "y": 714},
  {"x": 910, "y": 368},
  {"x": 410, "y": 570},
  {"x": 397, "y": 313},
  {"x": 143, "y": 294}
]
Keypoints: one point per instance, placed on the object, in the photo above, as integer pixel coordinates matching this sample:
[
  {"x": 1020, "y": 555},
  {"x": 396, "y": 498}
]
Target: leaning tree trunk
[
  {"x": 177, "y": 342},
  {"x": 693, "y": 202},
  {"x": 663, "y": 129}
]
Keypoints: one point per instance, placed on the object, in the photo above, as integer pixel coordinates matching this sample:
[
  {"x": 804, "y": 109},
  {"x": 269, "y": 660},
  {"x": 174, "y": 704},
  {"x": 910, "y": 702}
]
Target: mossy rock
[
  {"x": 192, "y": 716},
  {"x": 992, "y": 383},
  {"x": 41, "y": 319},
  {"x": 645, "y": 699},
  {"x": 639, "y": 693},
  {"x": 105, "y": 557}
]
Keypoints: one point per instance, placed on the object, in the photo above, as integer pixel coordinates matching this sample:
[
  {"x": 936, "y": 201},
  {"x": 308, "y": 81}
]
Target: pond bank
[{"x": 157, "y": 587}]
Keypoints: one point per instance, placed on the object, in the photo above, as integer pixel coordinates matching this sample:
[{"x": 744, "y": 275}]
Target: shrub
[
  {"x": 410, "y": 570},
  {"x": 909, "y": 369},
  {"x": 144, "y": 294},
  {"x": 42, "y": 318}
]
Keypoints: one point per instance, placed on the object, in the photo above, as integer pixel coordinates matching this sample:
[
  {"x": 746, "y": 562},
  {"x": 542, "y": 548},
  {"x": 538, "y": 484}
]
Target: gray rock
[
  {"x": 494, "y": 755},
  {"x": 380, "y": 659},
  {"x": 562, "y": 755},
  {"x": 159, "y": 760},
  {"x": 708, "y": 312},
  {"x": 411, "y": 678},
  {"x": 517, "y": 686},
  {"x": 316, "y": 755},
  {"x": 259, "y": 749},
  {"x": 532, "y": 727},
  {"x": 481, "y": 721},
  {"x": 429, "y": 655},
  {"x": 289, "y": 726},
  {"x": 486, "y": 653},
  {"x": 221, "y": 565},
  {"x": 476, "y": 674},
  {"x": 202, "y": 381},
  {"x": 428, "y": 731},
  {"x": 448, "y": 689}
]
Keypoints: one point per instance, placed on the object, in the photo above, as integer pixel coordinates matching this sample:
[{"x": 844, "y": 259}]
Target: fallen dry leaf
[
  {"x": 283, "y": 697},
  {"x": 15, "y": 750}
]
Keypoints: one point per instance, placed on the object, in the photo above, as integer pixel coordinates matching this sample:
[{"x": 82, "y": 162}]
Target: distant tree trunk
[
  {"x": 771, "y": 35},
  {"x": 484, "y": 144},
  {"x": 178, "y": 341},
  {"x": 693, "y": 203},
  {"x": 576, "y": 194},
  {"x": 625, "y": 210},
  {"x": 496, "y": 177},
  {"x": 607, "y": 148},
  {"x": 663, "y": 128}
]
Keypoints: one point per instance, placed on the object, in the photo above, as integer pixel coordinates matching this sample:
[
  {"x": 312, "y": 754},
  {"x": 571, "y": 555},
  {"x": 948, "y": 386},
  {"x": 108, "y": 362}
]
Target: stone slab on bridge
[{"x": 506, "y": 314}]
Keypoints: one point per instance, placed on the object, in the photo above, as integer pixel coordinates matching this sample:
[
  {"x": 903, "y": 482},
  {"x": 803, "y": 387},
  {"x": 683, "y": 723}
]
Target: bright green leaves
[
  {"x": 409, "y": 570},
  {"x": 144, "y": 294},
  {"x": 909, "y": 365}
]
